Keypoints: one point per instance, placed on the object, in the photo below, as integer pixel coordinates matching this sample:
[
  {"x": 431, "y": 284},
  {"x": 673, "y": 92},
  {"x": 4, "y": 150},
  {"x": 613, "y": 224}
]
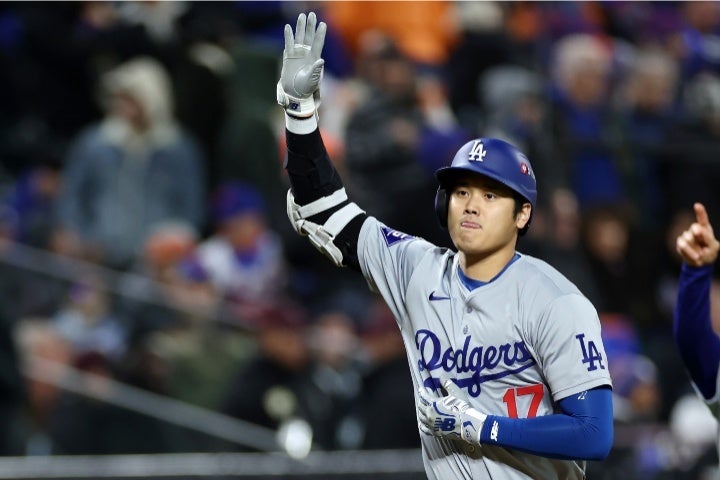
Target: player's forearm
[
  {"x": 312, "y": 178},
  {"x": 556, "y": 436},
  {"x": 697, "y": 343},
  {"x": 586, "y": 435},
  {"x": 311, "y": 173}
]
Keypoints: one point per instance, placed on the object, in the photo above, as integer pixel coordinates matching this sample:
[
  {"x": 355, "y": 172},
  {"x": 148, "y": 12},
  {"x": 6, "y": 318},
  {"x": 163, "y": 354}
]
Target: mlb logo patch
[{"x": 393, "y": 236}]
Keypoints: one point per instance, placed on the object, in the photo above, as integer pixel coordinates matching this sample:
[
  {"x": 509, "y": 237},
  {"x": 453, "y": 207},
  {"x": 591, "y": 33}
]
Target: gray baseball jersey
[{"x": 515, "y": 345}]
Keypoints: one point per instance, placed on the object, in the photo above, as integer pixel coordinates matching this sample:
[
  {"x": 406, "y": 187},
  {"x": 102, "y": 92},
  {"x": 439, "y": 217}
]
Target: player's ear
[{"x": 523, "y": 216}]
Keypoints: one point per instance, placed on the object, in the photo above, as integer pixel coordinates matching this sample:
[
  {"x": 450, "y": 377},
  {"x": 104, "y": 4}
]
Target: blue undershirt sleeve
[
  {"x": 698, "y": 344},
  {"x": 583, "y": 430}
]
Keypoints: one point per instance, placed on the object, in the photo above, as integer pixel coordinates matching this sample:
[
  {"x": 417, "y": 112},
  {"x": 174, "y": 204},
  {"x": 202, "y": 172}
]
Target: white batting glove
[
  {"x": 450, "y": 416},
  {"x": 298, "y": 90}
]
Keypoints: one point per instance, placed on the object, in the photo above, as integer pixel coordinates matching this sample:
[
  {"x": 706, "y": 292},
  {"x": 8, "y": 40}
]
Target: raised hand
[
  {"x": 298, "y": 90},
  {"x": 697, "y": 245}
]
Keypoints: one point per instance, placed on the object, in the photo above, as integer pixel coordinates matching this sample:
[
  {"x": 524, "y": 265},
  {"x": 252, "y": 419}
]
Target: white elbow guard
[{"x": 322, "y": 236}]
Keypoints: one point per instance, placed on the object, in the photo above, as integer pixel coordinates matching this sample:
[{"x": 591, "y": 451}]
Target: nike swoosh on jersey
[{"x": 434, "y": 297}]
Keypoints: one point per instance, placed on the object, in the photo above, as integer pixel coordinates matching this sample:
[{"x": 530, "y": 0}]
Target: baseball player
[
  {"x": 505, "y": 353},
  {"x": 695, "y": 338}
]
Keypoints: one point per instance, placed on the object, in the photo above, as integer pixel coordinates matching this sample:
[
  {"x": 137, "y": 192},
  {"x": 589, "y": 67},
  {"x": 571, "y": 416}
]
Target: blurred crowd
[{"x": 143, "y": 235}]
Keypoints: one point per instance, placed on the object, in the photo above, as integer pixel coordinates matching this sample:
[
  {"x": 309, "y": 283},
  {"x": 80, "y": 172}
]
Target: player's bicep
[
  {"x": 388, "y": 259},
  {"x": 569, "y": 345}
]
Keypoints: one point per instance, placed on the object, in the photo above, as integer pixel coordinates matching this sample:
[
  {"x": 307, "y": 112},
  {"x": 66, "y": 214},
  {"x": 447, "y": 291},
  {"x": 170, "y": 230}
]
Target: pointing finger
[{"x": 701, "y": 214}]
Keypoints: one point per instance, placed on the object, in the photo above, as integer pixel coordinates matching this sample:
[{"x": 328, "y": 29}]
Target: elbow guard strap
[{"x": 323, "y": 236}]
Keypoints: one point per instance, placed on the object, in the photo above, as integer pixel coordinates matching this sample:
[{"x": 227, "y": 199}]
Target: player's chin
[
  {"x": 471, "y": 246},
  {"x": 469, "y": 239}
]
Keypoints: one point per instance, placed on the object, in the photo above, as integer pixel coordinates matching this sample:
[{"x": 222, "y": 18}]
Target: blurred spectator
[
  {"x": 580, "y": 118},
  {"x": 695, "y": 42},
  {"x": 272, "y": 388},
  {"x": 636, "y": 394},
  {"x": 560, "y": 242},
  {"x": 647, "y": 111},
  {"x": 122, "y": 175},
  {"x": 387, "y": 390},
  {"x": 336, "y": 375},
  {"x": 88, "y": 323},
  {"x": 483, "y": 43},
  {"x": 31, "y": 203},
  {"x": 622, "y": 265},
  {"x": 691, "y": 172},
  {"x": 244, "y": 258},
  {"x": 163, "y": 290}
]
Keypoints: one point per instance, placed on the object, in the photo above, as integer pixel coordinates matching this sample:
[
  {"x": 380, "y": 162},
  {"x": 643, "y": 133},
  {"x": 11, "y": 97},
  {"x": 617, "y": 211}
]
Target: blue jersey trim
[{"x": 471, "y": 284}]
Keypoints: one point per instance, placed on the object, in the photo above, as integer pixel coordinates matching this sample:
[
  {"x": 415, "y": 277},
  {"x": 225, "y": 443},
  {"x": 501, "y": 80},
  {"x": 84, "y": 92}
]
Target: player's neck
[{"x": 485, "y": 267}]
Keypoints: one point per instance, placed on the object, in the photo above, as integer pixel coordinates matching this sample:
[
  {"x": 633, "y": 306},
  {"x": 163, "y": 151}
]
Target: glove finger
[
  {"x": 310, "y": 29},
  {"x": 289, "y": 40},
  {"x": 300, "y": 29},
  {"x": 316, "y": 75},
  {"x": 319, "y": 40}
]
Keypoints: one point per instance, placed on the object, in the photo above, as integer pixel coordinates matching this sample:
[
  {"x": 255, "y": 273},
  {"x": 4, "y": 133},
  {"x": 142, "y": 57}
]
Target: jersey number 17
[{"x": 510, "y": 399}]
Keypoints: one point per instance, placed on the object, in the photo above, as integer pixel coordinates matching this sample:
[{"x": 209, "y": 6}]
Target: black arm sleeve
[{"x": 313, "y": 176}]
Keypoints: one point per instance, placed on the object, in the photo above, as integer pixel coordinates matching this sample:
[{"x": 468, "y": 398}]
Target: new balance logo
[
  {"x": 494, "y": 431},
  {"x": 445, "y": 424},
  {"x": 434, "y": 298}
]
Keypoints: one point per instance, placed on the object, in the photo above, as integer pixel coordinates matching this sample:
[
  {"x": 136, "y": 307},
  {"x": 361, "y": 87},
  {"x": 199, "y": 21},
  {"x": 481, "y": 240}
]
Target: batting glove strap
[
  {"x": 323, "y": 236},
  {"x": 450, "y": 417},
  {"x": 298, "y": 107}
]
